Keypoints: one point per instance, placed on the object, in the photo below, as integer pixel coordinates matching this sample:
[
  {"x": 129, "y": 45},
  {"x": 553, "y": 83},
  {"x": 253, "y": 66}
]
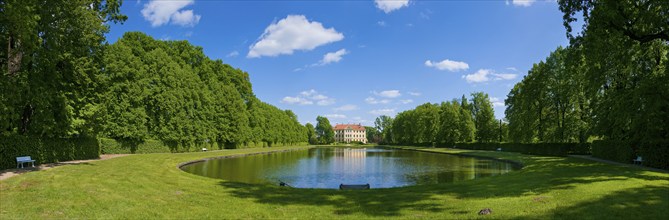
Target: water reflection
[{"x": 329, "y": 167}]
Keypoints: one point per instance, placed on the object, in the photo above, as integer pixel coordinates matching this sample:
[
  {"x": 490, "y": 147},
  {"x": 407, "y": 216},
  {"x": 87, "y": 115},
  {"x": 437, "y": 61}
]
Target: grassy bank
[{"x": 150, "y": 186}]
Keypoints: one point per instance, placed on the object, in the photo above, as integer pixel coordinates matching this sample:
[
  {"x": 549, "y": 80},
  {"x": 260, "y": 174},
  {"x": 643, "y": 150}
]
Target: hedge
[
  {"x": 655, "y": 154},
  {"x": 111, "y": 146},
  {"x": 46, "y": 150},
  {"x": 545, "y": 149},
  {"x": 619, "y": 151}
]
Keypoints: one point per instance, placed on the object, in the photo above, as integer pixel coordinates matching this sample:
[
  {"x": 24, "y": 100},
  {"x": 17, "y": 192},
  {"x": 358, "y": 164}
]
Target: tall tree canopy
[
  {"x": 169, "y": 90},
  {"x": 446, "y": 123},
  {"x": 624, "y": 48},
  {"x": 50, "y": 64},
  {"x": 324, "y": 130}
]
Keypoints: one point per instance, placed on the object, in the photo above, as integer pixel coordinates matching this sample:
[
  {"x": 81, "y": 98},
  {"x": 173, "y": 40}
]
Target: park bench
[
  {"x": 638, "y": 160},
  {"x": 24, "y": 159},
  {"x": 354, "y": 186}
]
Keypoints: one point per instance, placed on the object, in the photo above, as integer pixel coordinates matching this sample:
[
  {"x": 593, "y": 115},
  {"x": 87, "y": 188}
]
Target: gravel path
[{"x": 4, "y": 174}]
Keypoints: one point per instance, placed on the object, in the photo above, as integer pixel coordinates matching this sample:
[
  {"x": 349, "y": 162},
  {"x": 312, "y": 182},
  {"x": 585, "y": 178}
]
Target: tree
[
  {"x": 373, "y": 135},
  {"x": 324, "y": 130},
  {"x": 311, "y": 134},
  {"x": 449, "y": 131},
  {"x": 383, "y": 125},
  {"x": 624, "y": 46},
  {"x": 49, "y": 69},
  {"x": 484, "y": 117}
]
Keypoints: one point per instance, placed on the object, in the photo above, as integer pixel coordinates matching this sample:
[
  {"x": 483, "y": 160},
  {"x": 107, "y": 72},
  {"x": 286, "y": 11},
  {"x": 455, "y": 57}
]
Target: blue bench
[{"x": 24, "y": 159}]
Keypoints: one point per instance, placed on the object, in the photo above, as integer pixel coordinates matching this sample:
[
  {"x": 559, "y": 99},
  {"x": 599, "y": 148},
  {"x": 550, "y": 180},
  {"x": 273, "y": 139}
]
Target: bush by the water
[{"x": 46, "y": 150}]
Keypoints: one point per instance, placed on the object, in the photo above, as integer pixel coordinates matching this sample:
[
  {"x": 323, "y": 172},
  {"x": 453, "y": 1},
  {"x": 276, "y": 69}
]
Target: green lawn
[{"x": 151, "y": 186}]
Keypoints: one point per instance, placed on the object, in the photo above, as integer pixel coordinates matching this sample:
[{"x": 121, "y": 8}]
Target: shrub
[
  {"x": 46, "y": 150},
  {"x": 619, "y": 151},
  {"x": 655, "y": 154},
  {"x": 579, "y": 148}
]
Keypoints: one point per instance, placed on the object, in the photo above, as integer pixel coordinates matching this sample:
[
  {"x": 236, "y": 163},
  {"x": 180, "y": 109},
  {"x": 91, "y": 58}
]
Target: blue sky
[{"x": 354, "y": 60}]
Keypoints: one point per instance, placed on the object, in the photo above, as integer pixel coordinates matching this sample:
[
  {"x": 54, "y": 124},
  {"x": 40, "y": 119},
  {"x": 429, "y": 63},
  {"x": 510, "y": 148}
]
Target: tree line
[
  {"x": 61, "y": 79},
  {"x": 445, "y": 123},
  {"x": 611, "y": 82}
]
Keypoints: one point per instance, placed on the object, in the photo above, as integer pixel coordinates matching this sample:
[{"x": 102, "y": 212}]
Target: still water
[{"x": 329, "y": 167}]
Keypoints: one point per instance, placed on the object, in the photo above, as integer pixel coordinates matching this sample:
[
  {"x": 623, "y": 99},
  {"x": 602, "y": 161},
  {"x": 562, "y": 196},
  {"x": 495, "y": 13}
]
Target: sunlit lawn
[{"x": 151, "y": 186}]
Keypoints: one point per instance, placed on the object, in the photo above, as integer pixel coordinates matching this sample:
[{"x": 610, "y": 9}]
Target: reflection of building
[{"x": 346, "y": 133}]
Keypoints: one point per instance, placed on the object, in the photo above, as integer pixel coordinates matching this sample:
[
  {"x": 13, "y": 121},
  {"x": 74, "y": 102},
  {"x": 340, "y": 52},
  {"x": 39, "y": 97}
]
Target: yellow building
[{"x": 346, "y": 133}]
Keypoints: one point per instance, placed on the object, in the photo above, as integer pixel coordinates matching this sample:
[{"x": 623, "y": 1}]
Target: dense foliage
[
  {"x": 610, "y": 83},
  {"x": 50, "y": 64},
  {"x": 59, "y": 79},
  {"x": 445, "y": 123},
  {"x": 324, "y": 131},
  {"x": 170, "y": 91},
  {"x": 46, "y": 150}
]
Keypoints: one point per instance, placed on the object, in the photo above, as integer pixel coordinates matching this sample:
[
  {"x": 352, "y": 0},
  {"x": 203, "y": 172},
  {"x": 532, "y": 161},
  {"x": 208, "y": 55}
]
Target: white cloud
[
  {"x": 523, "y": 3},
  {"x": 325, "y": 102},
  {"x": 505, "y": 76},
  {"x": 309, "y": 97},
  {"x": 296, "y": 100},
  {"x": 233, "y": 54},
  {"x": 414, "y": 93},
  {"x": 496, "y": 102},
  {"x": 390, "y": 5},
  {"x": 381, "y": 23},
  {"x": 162, "y": 12},
  {"x": 292, "y": 33},
  {"x": 386, "y": 111},
  {"x": 374, "y": 101},
  {"x": 449, "y": 65},
  {"x": 512, "y": 68},
  {"x": 484, "y": 75},
  {"x": 406, "y": 101},
  {"x": 333, "y": 116},
  {"x": 388, "y": 93},
  {"x": 346, "y": 108},
  {"x": 333, "y": 57}
]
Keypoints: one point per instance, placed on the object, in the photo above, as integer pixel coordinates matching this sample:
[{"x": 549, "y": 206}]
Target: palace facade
[{"x": 347, "y": 133}]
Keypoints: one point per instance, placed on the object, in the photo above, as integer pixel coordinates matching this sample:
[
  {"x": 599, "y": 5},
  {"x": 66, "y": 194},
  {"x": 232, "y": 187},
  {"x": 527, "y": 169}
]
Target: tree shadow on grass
[
  {"x": 377, "y": 202},
  {"x": 651, "y": 202}
]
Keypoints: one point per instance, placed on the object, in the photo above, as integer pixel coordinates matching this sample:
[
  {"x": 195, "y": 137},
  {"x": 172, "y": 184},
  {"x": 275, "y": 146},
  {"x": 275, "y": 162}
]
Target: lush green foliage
[
  {"x": 49, "y": 69},
  {"x": 545, "y": 149},
  {"x": 655, "y": 154},
  {"x": 620, "y": 151},
  {"x": 311, "y": 134},
  {"x": 383, "y": 125},
  {"x": 149, "y": 186},
  {"x": 46, "y": 150},
  {"x": 446, "y": 123},
  {"x": 60, "y": 79},
  {"x": 324, "y": 130},
  {"x": 373, "y": 135},
  {"x": 170, "y": 91},
  {"x": 549, "y": 104}
]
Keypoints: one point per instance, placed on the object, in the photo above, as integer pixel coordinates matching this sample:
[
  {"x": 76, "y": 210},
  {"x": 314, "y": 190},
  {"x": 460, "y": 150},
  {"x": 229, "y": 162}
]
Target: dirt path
[{"x": 4, "y": 174}]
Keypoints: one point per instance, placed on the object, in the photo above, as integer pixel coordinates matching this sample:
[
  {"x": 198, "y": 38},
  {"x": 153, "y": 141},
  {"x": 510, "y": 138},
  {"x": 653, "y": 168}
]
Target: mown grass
[{"x": 151, "y": 186}]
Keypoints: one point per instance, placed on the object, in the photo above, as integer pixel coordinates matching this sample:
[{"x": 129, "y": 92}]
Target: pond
[{"x": 329, "y": 167}]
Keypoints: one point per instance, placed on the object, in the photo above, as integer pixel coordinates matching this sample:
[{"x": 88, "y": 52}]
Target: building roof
[{"x": 357, "y": 127}]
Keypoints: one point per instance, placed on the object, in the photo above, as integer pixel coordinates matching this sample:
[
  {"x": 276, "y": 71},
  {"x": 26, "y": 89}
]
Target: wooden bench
[
  {"x": 24, "y": 159},
  {"x": 354, "y": 186},
  {"x": 638, "y": 160}
]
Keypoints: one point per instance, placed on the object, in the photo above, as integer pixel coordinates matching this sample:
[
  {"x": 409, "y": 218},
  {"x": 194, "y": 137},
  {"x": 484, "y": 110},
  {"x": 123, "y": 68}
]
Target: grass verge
[{"x": 151, "y": 186}]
